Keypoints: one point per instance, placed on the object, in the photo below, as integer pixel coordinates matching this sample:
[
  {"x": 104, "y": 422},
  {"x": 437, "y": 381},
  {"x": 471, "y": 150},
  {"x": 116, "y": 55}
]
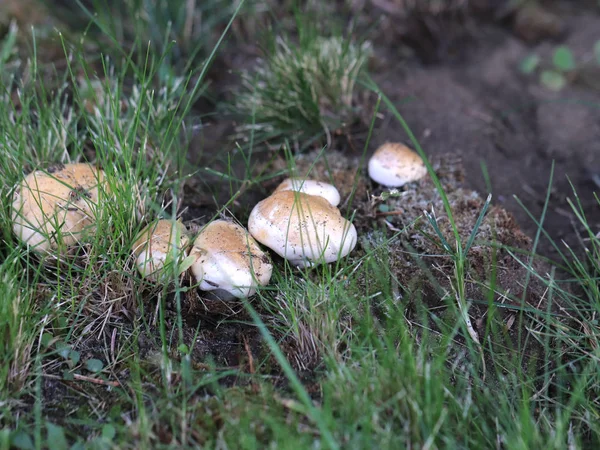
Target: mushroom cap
[
  {"x": 304, "y": 229},
  {"x": 311, "y": 187},
  {"x": 57, "y": 208},
  {"x": 228, "y": 258},
  {"x": 154, "y": 249},
  {"x": 394, "y": 164}
]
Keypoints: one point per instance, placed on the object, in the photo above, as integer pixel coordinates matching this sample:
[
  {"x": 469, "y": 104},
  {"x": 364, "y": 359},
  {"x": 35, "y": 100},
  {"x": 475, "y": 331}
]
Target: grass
[
  {"x": 346, "y": 355},
  {"x": 303, "y": 88}
]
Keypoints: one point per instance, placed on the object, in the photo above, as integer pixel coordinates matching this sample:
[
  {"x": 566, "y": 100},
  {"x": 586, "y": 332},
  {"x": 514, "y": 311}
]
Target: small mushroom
[
  {"x": 304, "y": 229},
  {"x": 154, "y": 248},
  {"x": 229, "y": 259},
  {"x": 311, "y": 187},
  {"x": 57, "y": 208},
  {"x": 394, "y": 165}
]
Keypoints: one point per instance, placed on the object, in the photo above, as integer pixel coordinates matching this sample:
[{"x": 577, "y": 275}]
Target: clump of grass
[
  {"x": 182, "y": 32},
  {"x": 302, "y": 90}
]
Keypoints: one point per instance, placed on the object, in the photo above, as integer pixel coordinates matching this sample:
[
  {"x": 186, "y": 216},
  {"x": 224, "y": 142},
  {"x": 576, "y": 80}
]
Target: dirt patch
[{"x": 483, "y": 110}]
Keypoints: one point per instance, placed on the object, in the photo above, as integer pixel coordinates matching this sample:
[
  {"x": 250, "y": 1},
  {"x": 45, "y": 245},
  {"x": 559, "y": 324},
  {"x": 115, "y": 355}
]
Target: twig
[
  {"x": 249, "y": 353},
  {"x": 96, "y": 380},
  {"x": 389, "y": 213}
]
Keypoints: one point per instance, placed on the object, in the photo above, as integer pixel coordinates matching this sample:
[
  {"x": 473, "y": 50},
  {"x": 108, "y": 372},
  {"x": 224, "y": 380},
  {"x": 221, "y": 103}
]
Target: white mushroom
[
  {"x": 159, "y": 245},
  {"x": 57, "y": 208},
  {"x": 394, "y": 165},
  {"x": 229, "y": 259},
  {"x": 311, "y": 187},
  {"x": 305, "y": 229}
]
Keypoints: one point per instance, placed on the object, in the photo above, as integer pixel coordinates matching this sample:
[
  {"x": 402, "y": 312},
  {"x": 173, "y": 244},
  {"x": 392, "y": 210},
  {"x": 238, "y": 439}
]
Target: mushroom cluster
[
  {"x": 55, "y": 209},
  {"x": 223, "y": 257},
  {"x": 300, "y": 222}
]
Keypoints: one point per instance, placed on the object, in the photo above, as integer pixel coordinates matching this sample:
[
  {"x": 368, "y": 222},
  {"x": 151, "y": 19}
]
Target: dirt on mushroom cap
[
  {"x": 230, "y": 259},
  {"x": 394, "y": 164},
  {"x": 154, "y": 246},
  {"x": 159, "y": 235},
  {"x": 59, "y": 202},
  {"x": 302, "y": 227}
]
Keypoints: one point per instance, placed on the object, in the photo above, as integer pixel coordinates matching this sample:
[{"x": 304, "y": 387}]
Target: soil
[{"x": 482, "y": 109}]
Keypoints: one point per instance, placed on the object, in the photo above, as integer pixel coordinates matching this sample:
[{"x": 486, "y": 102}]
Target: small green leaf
[
  {"x": 186, "y": 263},
  {"x": 529, "y": 64},
  {"x": 61, "y": 322},
  {"x": 183, "y": 348},
  {"x": 108, "y": 432},
  {"x": 56, "y": 437},
  {"x": 384, "y": 208},
  {"x": 597, "y": 51},
  {"x": 74, "y": 356},
  {"x": 47, "y": 339},
  {"x": 563, "y": 59},
  {"x": 94, "y": 365},
  {"x": 553, "y": 80},
  {"x": 22, "y": 440},
  {"x": 63, "y": 349},
  {"x": 78, "y": 446},
  {"x": 67, "y": 376}
]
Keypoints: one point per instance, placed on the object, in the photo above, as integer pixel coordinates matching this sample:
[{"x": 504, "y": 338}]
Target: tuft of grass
[{"x": 302, "y": 88}]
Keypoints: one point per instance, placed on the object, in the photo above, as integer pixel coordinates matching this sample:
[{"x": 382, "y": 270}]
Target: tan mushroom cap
[
  {"x": 304, "y": 229},
  {"x": 394, "y": 164},
  {"x": 228, "y": 258},
  {"x": 57, "y": 208},
  {"x": 311, "y": 187},
  {"x": 154, "y": 249}
]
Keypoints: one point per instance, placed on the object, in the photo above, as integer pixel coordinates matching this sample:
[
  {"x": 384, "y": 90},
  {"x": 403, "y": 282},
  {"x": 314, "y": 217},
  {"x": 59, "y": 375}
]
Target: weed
[
  {"x": 302, "y": 90},
  {"x": 564, "y": 68}
]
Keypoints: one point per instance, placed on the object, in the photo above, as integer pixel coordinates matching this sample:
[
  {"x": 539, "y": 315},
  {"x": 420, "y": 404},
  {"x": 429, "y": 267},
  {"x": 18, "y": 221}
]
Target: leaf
[
  {"x": 186, "y": 263},
  {"x": 63, "y": 349},
  {"x": 478, "y": 224},
  {"x": 94, "y": 365},
  {"x": 74, "y": 356},
  {"x": 22, "y": 441},
  {"x": 183, "y": 348},
  {"x": 553, "y": 80},
  {"x": 47, "y": 339},
  {"x": 529, "y": 64},
  {"x": 56, "y": 437},
  {"x": 597, "y": 51},
  {"x": 108, "y": 432},
  {"x": 384, "y": 208},
  {"x": 68, "y": 376},
  {"x": 563, "y": 59},
  {"x": 8, "y": 46}
]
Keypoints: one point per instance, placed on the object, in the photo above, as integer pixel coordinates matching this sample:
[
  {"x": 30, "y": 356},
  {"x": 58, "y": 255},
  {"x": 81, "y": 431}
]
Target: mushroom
[
  {"x": 159, "y": 244},
  {"x": 57, "y": 208},
  {"x": 394, "y": 165},
  {"x": 229, "y": 259},
  {"x": 304, "y": 229},
  {"x": 311, "y": 187}
]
